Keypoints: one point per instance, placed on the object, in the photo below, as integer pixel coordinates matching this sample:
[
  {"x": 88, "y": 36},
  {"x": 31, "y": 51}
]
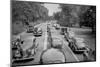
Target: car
[
  {"x": 17, "y": 51},
  {"x": 77, "y": 47},
  {"x": 57, "y": 43},
  {"x": 57, "y": 26},
  {"x": 66, "y": 36},
  {"x": 30, "y": 29},
  {"x": 37, "y": 32},
  {"x": 19, "y": 55},
  {"x": 63, "y": 30}
]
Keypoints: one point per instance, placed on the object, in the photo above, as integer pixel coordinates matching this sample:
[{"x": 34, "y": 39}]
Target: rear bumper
[
  {"x": 79, "y": 51},
  {"x": 37, "y": 34},
  {"x": 23, "y": 60}
]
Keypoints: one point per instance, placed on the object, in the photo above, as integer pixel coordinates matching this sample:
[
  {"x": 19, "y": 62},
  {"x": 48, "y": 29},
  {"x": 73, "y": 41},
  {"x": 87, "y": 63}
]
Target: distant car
[
  {"x": 57, "y": 26},
  {"x": 77, "y": 47},
  {"x": 63, "y": 31},
  {"x": 30, "y": 29},
  {"x": 37, "y": 31}
]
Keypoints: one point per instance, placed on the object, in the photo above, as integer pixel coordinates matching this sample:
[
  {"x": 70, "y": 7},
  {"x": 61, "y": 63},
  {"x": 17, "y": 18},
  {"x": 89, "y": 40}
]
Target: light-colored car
[
  {"x": 37, "y": 31},
  {"x": 57, "y": 43},
  {"x": 57, "y": 26}
]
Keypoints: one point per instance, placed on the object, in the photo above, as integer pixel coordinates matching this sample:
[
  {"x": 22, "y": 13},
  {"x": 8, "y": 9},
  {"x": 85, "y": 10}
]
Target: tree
[
  {"x": 71, "y": 15},
  {"x": 89, "y": 18},
  {"x": 26, "y": 12}
]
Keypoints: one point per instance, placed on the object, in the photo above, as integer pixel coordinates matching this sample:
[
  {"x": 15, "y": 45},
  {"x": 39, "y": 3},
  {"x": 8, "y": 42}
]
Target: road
[
  {"x": 70, "y": 56},
  {"x": 42, "y": 43}
]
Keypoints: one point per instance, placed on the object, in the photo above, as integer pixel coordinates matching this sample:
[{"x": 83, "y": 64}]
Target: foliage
[
  {"x": 28, "y": 11},
  {"x": 24, "y": 12},
  {"x": 89, "y": 18},
  {"x": 71, "y": 15}
]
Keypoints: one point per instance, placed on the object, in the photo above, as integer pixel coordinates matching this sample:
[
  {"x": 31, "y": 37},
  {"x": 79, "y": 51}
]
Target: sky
[{"x": 53, "y": 8}]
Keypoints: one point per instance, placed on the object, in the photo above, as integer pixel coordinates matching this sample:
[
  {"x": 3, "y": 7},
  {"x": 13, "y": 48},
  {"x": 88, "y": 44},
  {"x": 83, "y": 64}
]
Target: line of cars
[
  {"x": 76, "y": 47},
  {"x": 35, "y": 30}
]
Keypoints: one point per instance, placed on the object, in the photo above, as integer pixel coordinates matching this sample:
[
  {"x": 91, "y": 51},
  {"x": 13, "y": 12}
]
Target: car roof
[{"x": 80, "y": 45}]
